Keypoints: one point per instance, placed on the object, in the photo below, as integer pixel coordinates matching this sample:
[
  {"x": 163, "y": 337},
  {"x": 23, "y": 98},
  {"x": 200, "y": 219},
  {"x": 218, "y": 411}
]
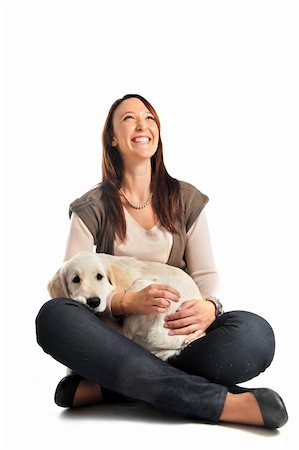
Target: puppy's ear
[
  {"x": 57, "y": 285},
  {"x": 119, "y": 276}
]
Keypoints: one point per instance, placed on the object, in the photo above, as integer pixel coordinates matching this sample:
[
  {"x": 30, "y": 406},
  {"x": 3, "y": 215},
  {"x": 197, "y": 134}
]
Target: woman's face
[{"x": 136, "y": 132}]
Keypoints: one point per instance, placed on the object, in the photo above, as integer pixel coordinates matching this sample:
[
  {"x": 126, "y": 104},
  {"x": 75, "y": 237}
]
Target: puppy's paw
[{"x": 192, "y": 338}]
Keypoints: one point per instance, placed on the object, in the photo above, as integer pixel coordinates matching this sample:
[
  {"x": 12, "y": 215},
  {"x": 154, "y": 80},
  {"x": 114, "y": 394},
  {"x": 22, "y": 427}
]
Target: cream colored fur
[{"x": 121, "y": 274}]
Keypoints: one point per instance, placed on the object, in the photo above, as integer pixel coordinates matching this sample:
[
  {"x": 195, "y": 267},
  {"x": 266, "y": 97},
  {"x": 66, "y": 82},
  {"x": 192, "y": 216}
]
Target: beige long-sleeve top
[{"x": 155, "y": 245}]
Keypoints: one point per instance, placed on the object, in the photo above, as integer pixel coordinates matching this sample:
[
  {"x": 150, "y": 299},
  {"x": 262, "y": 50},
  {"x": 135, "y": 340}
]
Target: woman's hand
[
  {"x": 153, "y": 299},
  {"x": 192, "y": 318}
]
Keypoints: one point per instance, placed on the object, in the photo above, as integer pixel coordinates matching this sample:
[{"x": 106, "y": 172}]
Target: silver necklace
[{"x": 136, "y": 206}]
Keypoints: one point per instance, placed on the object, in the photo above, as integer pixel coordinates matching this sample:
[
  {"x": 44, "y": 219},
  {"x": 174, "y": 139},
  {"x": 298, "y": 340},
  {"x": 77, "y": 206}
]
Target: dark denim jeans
[{"x": 237, "y": 347}]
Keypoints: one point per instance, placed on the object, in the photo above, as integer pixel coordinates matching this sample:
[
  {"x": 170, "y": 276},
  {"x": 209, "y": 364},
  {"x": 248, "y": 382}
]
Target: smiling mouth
[{"x": 141, "y": 140}]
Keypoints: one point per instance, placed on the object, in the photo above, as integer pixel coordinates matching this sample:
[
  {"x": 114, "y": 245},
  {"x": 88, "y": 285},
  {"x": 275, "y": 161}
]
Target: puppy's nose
[{"x": 93, "y": 302}]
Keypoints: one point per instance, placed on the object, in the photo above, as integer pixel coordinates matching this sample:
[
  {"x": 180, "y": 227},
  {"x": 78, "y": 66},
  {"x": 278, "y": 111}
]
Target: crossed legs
[{"x": 74, "y": 336}]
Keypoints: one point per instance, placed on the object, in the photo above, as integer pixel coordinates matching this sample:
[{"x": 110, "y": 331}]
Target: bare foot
[
  {"x": 242, "y": 408},
  {"x": 87, "y": 393}
]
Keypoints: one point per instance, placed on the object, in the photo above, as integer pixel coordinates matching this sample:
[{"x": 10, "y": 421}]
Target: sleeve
[
  {"x": 79, "y": 238},
  {"x": 88, "y": 209},
  {"x": 199, "y": 258},
  {"x": 193, "y": 201}
]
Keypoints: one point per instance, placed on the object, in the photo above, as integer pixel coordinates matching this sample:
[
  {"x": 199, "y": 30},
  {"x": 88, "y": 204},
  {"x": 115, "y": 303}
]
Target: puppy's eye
[
  {"x": 99, "y": 276},
  {"x": 76, "y": 279}
]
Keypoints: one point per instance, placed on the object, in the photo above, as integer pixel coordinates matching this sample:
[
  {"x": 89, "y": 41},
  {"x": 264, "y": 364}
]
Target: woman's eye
[
  {"x": 76, "y": 279},
  {"x": 99, "y": 276},
  {"x": 151, "y": 117},
  {"x": 128, "y": 117}
]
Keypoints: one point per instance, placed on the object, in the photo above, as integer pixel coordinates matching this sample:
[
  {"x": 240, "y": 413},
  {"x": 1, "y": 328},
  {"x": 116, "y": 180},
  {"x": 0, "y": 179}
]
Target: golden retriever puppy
[{"x": 91, "y": 278}]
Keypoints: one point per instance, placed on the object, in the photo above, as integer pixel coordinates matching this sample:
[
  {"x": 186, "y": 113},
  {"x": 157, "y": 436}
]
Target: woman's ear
[
  {"x": 114, "y": 142},
  {"x": 57, "y": 286}
]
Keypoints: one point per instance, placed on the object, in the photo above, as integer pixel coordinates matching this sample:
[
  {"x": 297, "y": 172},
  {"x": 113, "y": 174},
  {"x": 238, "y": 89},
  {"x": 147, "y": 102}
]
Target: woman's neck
[{"x": 136, "y": 182}]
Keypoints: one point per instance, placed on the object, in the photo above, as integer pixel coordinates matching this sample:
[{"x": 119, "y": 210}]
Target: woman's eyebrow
[{"x": 133, "y": 112}]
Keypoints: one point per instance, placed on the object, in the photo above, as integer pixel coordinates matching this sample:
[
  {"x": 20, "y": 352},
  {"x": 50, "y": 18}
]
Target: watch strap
[{"x": 218, "y": 305}]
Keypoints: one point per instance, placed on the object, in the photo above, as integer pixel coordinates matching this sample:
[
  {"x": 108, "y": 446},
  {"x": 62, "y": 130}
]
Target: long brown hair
[{"x": 166, "y": 200}]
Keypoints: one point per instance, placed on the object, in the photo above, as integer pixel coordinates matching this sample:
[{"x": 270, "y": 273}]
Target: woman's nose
[{"x": 141, "y": 125}]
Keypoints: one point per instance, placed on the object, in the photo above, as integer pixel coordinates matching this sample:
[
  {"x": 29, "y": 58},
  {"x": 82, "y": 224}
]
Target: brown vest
[{"x": 90, "y": 209}]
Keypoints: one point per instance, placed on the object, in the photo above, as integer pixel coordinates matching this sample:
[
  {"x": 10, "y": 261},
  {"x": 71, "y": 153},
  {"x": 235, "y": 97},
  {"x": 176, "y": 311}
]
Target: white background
[{"x": 223, "y": 77}]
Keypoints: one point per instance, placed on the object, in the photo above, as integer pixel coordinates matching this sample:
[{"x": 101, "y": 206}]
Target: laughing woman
[{"x": 139, "y": 210}]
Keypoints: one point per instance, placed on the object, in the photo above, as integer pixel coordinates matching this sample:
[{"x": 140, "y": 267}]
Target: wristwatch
[{"x": 219, "y": 308}]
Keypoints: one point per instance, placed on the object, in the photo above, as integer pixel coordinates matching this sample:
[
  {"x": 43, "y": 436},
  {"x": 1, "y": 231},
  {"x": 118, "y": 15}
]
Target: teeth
[{"x": 141, "y": 139}]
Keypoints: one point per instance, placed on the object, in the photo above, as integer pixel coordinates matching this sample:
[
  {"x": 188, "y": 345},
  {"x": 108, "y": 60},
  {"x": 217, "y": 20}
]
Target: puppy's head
[{"x": 83, "y": 278}]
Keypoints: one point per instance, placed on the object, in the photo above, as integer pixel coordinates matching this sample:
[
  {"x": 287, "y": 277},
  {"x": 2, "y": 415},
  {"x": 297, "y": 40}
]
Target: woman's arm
[
  {"x": 79, "y": 238},
  {"x": 194, "y": 317},
  {"x": 199, "y": 258}
]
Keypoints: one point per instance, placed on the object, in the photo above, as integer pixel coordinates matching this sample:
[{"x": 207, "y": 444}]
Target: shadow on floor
[
  {"x": 140, "y": 412},
  {"x": 136, "y": 412}
]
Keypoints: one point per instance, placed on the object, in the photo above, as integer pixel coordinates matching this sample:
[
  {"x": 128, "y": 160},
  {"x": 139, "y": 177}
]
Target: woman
[{"x": 140, "y": 210}]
